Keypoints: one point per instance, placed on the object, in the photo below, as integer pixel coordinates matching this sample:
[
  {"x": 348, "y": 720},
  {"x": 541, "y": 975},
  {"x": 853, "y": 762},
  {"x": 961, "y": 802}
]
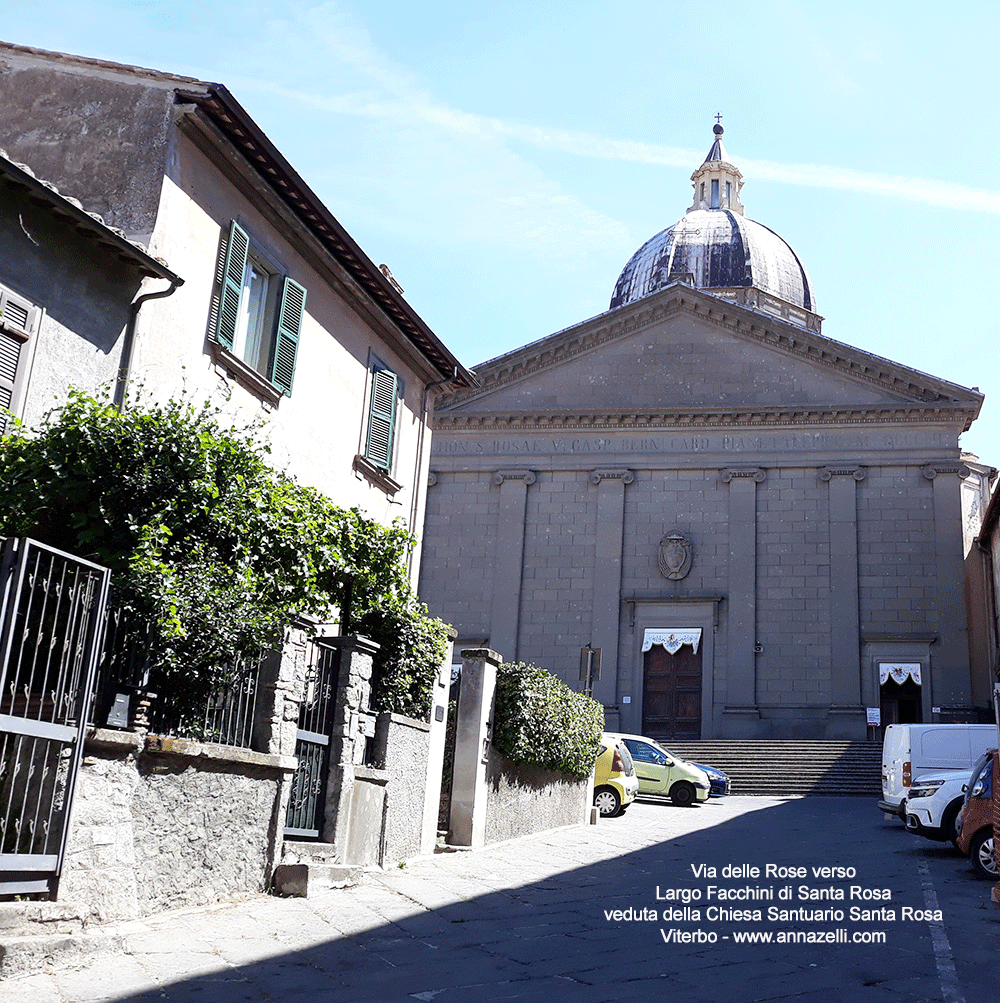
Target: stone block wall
[{"x": 897, "y": 580}]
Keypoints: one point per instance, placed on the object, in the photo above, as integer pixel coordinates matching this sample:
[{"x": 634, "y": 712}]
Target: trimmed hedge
[{"x": 540, "y": 721}]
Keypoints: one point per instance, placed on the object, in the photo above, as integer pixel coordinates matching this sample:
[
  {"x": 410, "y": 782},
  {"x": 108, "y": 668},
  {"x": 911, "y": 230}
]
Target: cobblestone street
[{"x": 532, "y": 920}]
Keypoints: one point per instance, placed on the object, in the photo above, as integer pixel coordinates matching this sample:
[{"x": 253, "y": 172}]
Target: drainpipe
[
  {"x": 415, "y": 500},
  {"x": 128, "y": 349}
]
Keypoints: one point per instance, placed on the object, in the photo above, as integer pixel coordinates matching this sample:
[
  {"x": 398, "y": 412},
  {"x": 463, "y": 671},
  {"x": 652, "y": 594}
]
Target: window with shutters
[
  {"x": 260, "y": 312},
  {"x": 18, "y": 322},
  {"x": 382, "y": 417},
  {"x": 376, "y": 461}
]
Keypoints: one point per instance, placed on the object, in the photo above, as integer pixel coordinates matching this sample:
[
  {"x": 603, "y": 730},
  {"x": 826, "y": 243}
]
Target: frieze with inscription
[{"x": 733, "y": 444}]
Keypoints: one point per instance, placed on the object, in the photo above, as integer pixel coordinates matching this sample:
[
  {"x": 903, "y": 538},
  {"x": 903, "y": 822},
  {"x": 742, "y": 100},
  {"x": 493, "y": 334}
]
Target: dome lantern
[{"x": 717, "y": 182}]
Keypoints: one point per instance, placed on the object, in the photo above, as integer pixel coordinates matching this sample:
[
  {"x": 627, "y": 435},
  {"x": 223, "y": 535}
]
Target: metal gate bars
[
  {"x": 304, "y": 818},
  {"x": 51, "y": 612}
]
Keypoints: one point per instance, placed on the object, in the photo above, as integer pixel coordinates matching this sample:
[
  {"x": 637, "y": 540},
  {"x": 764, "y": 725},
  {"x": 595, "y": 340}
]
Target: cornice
[
  {"x": 542, "y": 421},
  {"x": 742, "y": 321}
]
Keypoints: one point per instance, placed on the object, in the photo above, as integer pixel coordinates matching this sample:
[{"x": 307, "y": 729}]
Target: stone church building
[{"x": 758, "y": 526}]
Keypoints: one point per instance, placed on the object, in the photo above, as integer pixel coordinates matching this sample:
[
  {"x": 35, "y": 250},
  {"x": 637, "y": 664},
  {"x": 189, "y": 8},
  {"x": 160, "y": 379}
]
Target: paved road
[{"x": 528, "y": 921}]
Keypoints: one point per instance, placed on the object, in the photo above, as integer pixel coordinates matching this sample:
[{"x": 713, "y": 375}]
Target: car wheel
[
  {"x": 949, "y": 823},
  {"x": 608, "y": 802},
  {"x": 682, "y": 794},
  {"x": 981, "y": 854}
]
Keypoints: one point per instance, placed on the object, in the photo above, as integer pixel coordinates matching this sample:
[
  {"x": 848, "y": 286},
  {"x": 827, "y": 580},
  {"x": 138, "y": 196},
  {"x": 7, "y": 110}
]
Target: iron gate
[
  {"x": 304, "y": 818},
  {"x": 51, "y": 613}
]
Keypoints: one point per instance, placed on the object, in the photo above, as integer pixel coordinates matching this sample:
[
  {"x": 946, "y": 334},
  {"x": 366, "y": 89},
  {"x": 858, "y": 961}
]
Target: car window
[
  {"x": 629, "y": 765},
  {"x": 983, "y": 770},
  {"x": 641, "y": 752}
]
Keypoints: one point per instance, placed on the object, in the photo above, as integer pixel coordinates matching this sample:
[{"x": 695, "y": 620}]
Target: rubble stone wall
[{"x": 163, "y": 823}]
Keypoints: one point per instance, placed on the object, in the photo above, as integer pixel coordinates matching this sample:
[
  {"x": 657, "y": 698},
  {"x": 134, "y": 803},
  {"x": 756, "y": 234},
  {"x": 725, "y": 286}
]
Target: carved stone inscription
[{"x": 735, "y": 443}]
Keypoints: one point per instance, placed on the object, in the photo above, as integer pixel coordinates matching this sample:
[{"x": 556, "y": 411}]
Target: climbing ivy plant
[{"x": 209, "y": 545}]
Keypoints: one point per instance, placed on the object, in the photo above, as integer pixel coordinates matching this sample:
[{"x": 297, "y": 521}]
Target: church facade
[{"x": 759, "y": 527}]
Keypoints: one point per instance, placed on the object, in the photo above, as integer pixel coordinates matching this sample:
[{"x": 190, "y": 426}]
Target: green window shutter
[
  {"x": 232, "y": 286},
  {"x": 10, "y": 352},
  {"x": 18, "y": 320},
  {"x": 382, "y": 418},
  {"x": 290, "y": 313}
]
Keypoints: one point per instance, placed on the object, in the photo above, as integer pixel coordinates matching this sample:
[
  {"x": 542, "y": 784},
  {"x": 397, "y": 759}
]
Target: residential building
[{"x": 265, "y": 304}]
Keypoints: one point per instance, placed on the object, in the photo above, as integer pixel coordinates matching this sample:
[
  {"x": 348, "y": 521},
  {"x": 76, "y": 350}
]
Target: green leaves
[
  {"x": 540, "y": 721},
  {"x": 209, "y": 544}
]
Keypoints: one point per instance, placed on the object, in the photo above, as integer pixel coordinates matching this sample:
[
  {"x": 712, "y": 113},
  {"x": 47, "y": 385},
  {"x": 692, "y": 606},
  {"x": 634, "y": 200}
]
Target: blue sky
[{"x": 506, "y": 162}]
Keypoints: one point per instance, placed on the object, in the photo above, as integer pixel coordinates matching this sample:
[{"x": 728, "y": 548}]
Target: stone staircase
[{"x": 830, "y": 769}]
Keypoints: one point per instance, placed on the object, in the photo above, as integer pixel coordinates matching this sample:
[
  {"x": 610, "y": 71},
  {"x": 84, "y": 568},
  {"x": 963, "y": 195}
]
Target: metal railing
[
  {"x": 228, "y": 713},
  {"x": 130, "y": 692}
]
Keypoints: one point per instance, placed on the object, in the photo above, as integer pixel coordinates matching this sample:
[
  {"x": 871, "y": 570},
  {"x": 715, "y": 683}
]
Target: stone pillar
[
  {"x": 347, "y": 744},
  {"x": 279, "y": 694},
  {"x": 846, "y": 712},
  {"x": 507, "y": 574},
  {"x": 435, "y": 751},
  {"x": 610, "y": 533},
  {"x": 467, "y": 822},
  {"x": 950, "y": 685},
  {"x": 741, "y": 712}
]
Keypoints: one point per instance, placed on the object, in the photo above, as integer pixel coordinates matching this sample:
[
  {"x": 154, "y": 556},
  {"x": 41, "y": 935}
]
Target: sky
[{"x": 506, "y": 160}]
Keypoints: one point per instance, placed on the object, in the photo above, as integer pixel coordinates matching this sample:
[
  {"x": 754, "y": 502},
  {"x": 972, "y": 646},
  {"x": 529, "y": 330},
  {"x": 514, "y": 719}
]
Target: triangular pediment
[{"x": 683, "y": 354}]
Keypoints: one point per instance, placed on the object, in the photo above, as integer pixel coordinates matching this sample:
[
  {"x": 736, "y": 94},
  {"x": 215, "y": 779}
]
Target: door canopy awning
[
  {"x": 898, "y": 671},
  {"x": 672, "y": 638}
]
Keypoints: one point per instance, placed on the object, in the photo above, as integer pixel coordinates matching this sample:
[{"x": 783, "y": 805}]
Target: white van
[{"x": 911, "y": 750}]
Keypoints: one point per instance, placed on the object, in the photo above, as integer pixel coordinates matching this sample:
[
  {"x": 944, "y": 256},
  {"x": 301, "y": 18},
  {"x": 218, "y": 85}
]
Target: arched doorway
[{"x": 671, "y": 690}]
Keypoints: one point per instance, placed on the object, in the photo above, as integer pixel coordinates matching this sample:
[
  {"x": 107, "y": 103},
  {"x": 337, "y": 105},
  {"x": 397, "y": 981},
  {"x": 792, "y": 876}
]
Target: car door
[{"x": 650, "y": 767}]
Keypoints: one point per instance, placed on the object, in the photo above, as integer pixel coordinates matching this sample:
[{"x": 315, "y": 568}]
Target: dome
[
  {"x": 721, "y": 250},
  {"x": 717, "y": 247}
]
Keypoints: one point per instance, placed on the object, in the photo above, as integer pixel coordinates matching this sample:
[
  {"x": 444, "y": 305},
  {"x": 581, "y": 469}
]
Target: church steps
[{"x": 782, "y": 767}]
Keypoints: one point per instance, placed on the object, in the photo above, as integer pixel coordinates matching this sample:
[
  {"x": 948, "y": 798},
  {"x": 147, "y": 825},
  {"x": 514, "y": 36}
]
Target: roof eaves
[
  {"x": 233, "y": 120},
  {"x": 90, "y": 224}
]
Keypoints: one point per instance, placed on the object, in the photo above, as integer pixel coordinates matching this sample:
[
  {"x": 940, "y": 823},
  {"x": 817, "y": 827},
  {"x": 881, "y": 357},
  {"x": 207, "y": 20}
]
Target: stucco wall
[
  {"x": 402, "y": 745},
  {"x": 525, "y": 799},
  {"x": 84, "y": 292},
  {"x": 316, "y": 432},
  {"x": 104, "y": 145}
]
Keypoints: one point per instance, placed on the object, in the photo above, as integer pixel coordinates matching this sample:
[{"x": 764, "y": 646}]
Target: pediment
[{"x": 684, "y": 354}]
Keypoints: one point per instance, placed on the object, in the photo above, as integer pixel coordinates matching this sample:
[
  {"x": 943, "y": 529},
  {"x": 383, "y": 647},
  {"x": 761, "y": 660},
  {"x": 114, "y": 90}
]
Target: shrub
[
  {"x": 406, "y": 666},
  {"x": 538, "y": 720},
  {"x": 209, "y": 547}
]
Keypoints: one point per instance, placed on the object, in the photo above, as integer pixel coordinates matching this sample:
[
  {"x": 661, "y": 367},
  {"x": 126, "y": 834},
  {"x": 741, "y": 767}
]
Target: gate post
[
  {"x": 467, "y": 822},
  {"x": 347, "y": 744},
  {"x": 435, "y": 751}
]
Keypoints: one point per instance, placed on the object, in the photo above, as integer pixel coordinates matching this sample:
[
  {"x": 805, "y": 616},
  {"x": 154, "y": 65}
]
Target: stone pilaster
[
  {"x": 467, "y": 822},
  {"x": 952, "y": 686},
  {"x": 741, "y": 701},
  {"x": 506, "y": 608},
  {"x": 347, "y": 744},
  {"x": 610, "y": 533},
  {"x": 845, "y": 624}
]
